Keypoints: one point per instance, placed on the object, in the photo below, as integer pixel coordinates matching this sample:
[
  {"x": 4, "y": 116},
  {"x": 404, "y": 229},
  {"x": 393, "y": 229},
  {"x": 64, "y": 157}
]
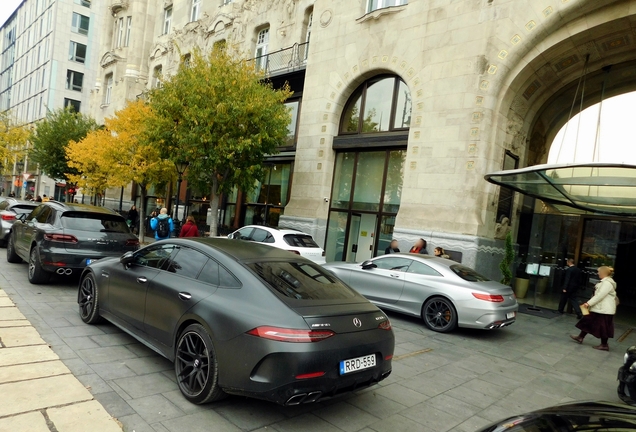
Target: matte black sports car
[
  {"x": 64, "y": 238},
  {"x": 583, "y": 416},
  {"x": 242, "y": 318}
]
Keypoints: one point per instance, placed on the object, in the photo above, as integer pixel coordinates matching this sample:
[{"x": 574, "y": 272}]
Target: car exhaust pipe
[
  {"x": 68, "y": 271},
  {"x": 59, "y": 271},
  {"x": 64, "y": 271},
  {"x": 312, "y": 397},
  {"x": 296, "y": 400}
]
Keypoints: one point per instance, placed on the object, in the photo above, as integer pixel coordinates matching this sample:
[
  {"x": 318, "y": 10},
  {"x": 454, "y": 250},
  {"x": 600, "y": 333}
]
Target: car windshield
[
  {"x": 22, "y": 208},
  {"x": 301, "y": 281},
  {"x": 468, "y": 274},
  {"x": 300, "y": 240},
  {"x": 94, "y": 222}
]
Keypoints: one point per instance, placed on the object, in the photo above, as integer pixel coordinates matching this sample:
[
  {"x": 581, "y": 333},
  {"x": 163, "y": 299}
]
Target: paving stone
[
  {"x": 206, "y": 421},
  {"x": 11, "y": 314},
  {"x": 113, "y": 339},
  {"x": 346, "y": 417},
  {"x": 452, "y": 406},
  {"x": 376, "y": 404},
  {"x": 94, "y": 383},
  {"x": 472, "y": 424},
  {"x": 26, "y": 354},
  {"x": 188, "y": 407},
  {"x": 31, "y": 422},
  {"x": 14, "y": 323},
  {"x": 399, "y": 423},
  {"x": 146, "y": 365},
  {"x": 23, "y": 396},
  {"x": 155, "y": 408},
  {"x": 105, "y": 354},
  {"x": 76, "y": 418},
  {"x": 433, "y": 418},
  {"x": 305, "y": 423},
  {"x": 114, "y": 404},
  {"x": 402, "y": 395},
  {"x": 79, "y": 342},
  {"x": 5, "y": 302},
  {"x": 146, "y": 385},
  {"x": 114, "y": 370},
  {"x": 20, "y": 336},
  {"x": 250, "y": 416},
  {"x": 74, "y": 331},
  {"x": 32, "y": 371}
]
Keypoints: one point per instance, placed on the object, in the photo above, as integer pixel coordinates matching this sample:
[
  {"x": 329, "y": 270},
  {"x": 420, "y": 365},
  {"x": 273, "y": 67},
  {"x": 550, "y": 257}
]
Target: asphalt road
[{"x": 457, "y": 382}]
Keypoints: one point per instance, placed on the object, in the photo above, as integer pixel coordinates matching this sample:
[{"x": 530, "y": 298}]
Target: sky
[
  {"x": 6, "y": 9},
  {"x": 616, "y": 142}
]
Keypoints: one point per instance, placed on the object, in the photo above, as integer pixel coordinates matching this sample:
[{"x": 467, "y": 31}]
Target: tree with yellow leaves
[
  {"x": 13, "y": 138},
  {"x": 121, "y": 153}
]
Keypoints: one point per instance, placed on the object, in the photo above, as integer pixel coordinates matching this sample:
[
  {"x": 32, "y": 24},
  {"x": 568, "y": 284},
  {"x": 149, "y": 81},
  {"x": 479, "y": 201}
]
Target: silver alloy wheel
[
  {"x": 439, "y": 314},
  {"x": 32, "y": 262},
  {"x": 192, "y": 363},
  {"x": 87, "y": 297}
]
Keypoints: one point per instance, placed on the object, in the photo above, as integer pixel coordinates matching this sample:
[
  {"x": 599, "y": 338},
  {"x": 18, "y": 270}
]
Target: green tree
[
  {"x": 506, "y": 262},
  {"x": 52, "y": 136},
  {"x": 13, "y": 137},
  {"x": 219, "y": 115}
]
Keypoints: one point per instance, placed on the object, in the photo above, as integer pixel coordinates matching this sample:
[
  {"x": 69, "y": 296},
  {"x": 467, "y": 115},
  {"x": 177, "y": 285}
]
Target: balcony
[
  {"x": 283, "y": 61},
  {"x": 118, "y": 5}
]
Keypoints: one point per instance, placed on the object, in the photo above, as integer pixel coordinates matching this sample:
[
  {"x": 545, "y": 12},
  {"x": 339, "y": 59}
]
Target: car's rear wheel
[
  {"x": 196, "y": 367},
  {"x": 12, "y": 257},
  {"x": 439, "y": 315},
  {"x": 37, "y": 275},
  {"x": 88, "y": 300}
]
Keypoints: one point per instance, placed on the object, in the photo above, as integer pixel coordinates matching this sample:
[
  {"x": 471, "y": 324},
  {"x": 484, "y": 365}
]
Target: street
[{"x": 440, "y": 382}]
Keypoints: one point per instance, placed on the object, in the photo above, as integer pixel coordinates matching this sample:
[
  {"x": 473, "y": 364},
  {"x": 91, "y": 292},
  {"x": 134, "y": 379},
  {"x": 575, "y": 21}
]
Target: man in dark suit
[{"x": 572, "y": 283}]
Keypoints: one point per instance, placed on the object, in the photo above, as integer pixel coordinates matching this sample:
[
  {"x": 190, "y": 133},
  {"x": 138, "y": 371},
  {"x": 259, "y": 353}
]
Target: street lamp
[{"x": 181, "y": 167}]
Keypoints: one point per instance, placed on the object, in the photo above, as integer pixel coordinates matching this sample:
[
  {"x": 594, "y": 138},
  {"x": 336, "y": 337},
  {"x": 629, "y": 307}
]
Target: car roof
[
  {"x": 66, "y": 207},
  {"x": 244, "y": 250},
  {"x": 14, "y": 201},
  {"x": 276, "y": 229}
]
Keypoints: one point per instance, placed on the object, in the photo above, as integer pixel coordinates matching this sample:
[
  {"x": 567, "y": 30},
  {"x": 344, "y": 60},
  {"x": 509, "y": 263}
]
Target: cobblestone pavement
[{"x": 457, "y": 382}]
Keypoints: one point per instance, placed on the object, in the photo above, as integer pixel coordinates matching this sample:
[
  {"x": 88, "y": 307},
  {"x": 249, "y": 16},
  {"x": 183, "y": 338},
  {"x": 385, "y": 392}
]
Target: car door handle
[
  {"x": 142, "y": 280},
  {"x": 104, "y": 274},
  {"x": 393, "y": 275},
  {"x": 185, "y": 296}
]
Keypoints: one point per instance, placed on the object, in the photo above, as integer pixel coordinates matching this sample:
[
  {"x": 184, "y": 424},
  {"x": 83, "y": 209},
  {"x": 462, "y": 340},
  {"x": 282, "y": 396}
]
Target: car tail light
[
  {"x": 310, "y": 375},
  {"x": 61, "y": 238},
  {"x": 495, "y": 298},
  {"x": 8, "y": 217},
  {"x": 290, "y": 335},
  {"x": 389, "y": 357},
  {"x": 323, "y": 253},
  {"x": 132, "y": 242},
  {"x": 295, "y": 252},
  {"x": 385, "y": 325}
]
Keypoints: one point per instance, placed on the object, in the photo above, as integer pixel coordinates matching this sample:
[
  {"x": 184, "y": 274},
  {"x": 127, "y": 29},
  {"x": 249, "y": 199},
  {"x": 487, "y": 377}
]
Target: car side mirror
[
  {"x": 22, "y": 217},
  {"x": 230, "y": 236},
  {"x": 127, "y": 258},
  {"x": 368, "y": 264}
]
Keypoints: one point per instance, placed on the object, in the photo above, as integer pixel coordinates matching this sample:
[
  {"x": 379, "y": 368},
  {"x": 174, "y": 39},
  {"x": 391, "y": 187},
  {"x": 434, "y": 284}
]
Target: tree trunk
[
  {"x": 214, "y": 208},
  {"x": 142, "y": 212}
]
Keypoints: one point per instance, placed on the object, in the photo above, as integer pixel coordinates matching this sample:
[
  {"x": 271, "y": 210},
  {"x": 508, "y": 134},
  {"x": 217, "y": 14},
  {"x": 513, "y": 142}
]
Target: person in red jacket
[{"x": 189, "y": 229}]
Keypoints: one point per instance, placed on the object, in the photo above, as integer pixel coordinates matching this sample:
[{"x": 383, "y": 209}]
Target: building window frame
[
  {"x": 108, "y": 91},
  {"x": 80, "y": 24},
  {"x": 195, "y": 9},
  {"x": 74, "y": 80},
  {"x": 73, "y": 56},
  {"x": 167, "y": 20},
  {"x": 77, "y": 105},
  {"x": 506, "y": 198},
  {"x": 373, "y": 5},
  {"x": 157, "y": 73},
  {"x": 128, "y": 30},
  {"x": 262, "y": 46},
  {"x": 120, "y": 32}
]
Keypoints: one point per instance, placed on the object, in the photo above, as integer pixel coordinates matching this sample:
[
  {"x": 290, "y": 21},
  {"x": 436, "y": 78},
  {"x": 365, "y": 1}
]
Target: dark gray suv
[{"x": 64, "y": 238}]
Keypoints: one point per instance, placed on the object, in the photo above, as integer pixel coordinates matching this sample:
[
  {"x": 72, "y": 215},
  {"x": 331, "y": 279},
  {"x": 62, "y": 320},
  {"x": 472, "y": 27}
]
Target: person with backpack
[{"x": 162, "y": 225}]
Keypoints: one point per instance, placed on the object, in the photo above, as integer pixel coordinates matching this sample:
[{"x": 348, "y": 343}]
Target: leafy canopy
[
  {"x": 12, "y": 136},
  {"x": 51, "y": 137}
]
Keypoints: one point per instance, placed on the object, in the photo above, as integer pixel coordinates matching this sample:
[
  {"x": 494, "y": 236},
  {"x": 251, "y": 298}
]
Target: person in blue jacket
[{"x": 162, "y": 225}]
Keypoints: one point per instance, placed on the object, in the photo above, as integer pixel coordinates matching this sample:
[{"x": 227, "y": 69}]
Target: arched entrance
[{"x": 369, "y": 169}]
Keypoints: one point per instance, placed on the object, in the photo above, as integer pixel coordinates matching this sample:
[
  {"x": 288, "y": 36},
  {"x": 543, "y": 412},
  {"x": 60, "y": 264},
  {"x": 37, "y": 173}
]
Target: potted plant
[
  {"x": 506, "y": 262},
  {"x": 522, "y": 281}
]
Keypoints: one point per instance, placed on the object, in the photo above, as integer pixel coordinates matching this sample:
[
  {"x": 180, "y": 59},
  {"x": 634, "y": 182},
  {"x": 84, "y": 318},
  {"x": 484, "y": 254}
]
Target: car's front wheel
[
  {"x": 37, "y": 275},
  {"x": 196, "y": 367},
  {"x": 88, "y": 300},
  {"x": 12, "y": 257},
  {"x": 439, "y": 315}
]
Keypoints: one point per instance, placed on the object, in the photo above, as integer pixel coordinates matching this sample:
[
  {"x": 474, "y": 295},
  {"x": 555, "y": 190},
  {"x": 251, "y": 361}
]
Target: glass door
[{"x": 352, "y": 241}]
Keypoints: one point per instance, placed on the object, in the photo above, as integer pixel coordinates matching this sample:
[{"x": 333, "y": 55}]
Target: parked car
[
  {"x": 627, "y": 377},
  {"x": 582, "y": 416},
  {"x": 64, "y": 238},
  {"x": 10, "y": 209},
  {"x": 291, "y": 240},
  {"x": 442, "y": 292},
  {"x": 253, "y": 321}
]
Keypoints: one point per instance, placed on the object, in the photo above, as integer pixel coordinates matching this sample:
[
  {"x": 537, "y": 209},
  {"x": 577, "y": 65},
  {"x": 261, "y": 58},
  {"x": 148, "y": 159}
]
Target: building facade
[
  {"x": 48, "y": 61},
  {"x": 399, "y": 110}
]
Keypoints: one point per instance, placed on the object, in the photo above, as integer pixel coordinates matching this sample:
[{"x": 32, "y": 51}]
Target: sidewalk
[{"x": 38, "y": 393}]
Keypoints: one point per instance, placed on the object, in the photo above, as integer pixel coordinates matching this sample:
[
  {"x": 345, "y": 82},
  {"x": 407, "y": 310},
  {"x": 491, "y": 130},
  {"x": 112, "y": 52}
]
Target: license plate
[
  {"x": 88, "y": 261},
  {"x": 357, "y": 364},
  {"x": 511, "y": 315}
]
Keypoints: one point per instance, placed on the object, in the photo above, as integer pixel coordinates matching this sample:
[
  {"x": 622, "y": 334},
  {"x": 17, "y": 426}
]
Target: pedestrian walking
[
  {"x": 602, "y": 306},
  {"x": 189, "y": 229},
  {"x": 393, "y": 247},
  {"x": 419, "y": 247},
  {"x": 162, "y": 225},
  {"x": 571, "y": 285},
  {"x": 133, "y": 218}
]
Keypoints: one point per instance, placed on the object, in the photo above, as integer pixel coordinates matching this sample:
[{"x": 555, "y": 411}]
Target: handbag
[{"x": 585, "y": 310}]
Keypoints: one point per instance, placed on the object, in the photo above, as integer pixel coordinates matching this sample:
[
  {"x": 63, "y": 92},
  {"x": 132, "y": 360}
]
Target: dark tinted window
[
  {"x": 422, "y": 269},
  {"x": 43, "y": 216},
  {"x": 187, "y": 262},
  {"x": 94, "y": 222},
  {"x": 468, "y": 274},
  {"x": 392, "y": 263},
  {"x": 22, "y": 208},
  {"x": 210, "y": 273},
  {"x": 243, "y": 234},
  {"x": 299, "y": 240},
  {"x": 227, "y": 280},
  {"x": 302, "y": 281},
  {"x": 260, "y": 235},
  {"x": 154, "y": 257}
]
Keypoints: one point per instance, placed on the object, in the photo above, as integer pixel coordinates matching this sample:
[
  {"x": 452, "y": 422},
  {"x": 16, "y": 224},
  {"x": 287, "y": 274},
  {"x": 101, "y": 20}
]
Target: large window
[
  {"x": 120, "y": 32},
  {"x": 77, "y": 52},
  {"x": 156, "y": 76},
  {"x": 109, "y": 89},
  {"x": 379, "y": 4},
  {"x": 381, "y": 104},
  {"x": 75, "y": 104},
  {"x": 74, "y": 80},
  {"x": 80, "y": 23},
  {"x": 262, "y": 43},
  {"x": 128, "y": 30},
  {"x": 194, "y": 12},
  {"x": 167, "y": 20},
  {"x": 292, "y": 128},
  {"x": 85, "y": 3}
]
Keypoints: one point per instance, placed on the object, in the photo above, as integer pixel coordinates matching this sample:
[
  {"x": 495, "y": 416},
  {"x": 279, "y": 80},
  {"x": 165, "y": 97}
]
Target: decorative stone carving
[
  {"x": 109, "y": 58},
  {"x": 502, "y": 229}
]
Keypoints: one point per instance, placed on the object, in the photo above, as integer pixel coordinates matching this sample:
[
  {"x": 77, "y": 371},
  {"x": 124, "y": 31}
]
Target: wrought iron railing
[{"x": 283, "y": 60}]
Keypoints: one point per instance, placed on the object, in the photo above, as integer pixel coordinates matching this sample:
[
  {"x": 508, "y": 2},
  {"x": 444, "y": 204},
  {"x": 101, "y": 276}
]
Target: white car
[{"x": 291, "y": 240}]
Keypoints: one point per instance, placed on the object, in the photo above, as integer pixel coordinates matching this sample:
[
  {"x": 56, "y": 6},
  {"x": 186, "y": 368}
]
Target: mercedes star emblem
[{"x": 357, "y": 322}]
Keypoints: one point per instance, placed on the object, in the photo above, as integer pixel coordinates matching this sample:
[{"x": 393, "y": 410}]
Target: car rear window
[
  {"x": 299, "y": 240},
  {"x": 22, "y": 208},
  {"x": 94, "y": 222},
  {"x": 468, "y": 274},
  {"x": 301, "y": 281}
]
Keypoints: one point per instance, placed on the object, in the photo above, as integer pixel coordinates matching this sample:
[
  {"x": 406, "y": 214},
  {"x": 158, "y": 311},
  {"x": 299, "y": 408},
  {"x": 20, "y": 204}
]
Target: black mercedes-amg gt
[{"x": 242, "y": 318}]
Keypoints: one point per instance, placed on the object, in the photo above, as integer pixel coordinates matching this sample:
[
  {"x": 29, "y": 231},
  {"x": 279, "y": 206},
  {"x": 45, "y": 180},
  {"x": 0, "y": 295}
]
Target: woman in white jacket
[{"x": 600, "y": 322}]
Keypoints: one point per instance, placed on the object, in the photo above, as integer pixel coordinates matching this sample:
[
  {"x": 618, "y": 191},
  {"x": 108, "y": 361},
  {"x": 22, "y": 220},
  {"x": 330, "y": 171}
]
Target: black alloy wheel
[
  {"x": 439, "y": 315},
  {"x": 37, "y": 275},
  {"x": 12, "y": 257},
  {"x": 196, "y": 366},
  {"x": 88, "y": 300}
]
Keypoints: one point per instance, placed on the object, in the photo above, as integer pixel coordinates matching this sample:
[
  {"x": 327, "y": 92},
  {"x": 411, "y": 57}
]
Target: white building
[{"x": 48, "y": 61}]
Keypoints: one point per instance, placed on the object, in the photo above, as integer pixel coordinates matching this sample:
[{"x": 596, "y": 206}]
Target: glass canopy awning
[{"x": 600, "y": 188}]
